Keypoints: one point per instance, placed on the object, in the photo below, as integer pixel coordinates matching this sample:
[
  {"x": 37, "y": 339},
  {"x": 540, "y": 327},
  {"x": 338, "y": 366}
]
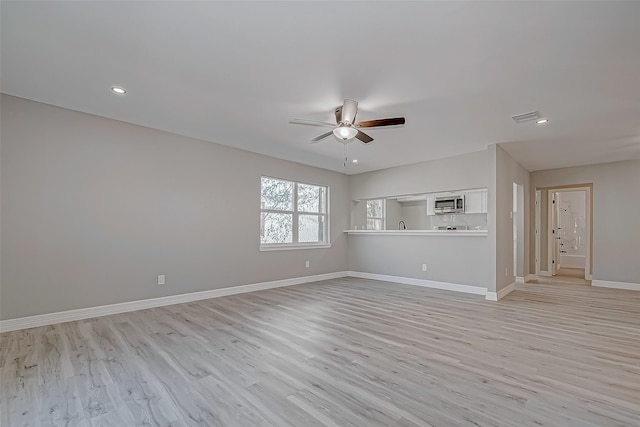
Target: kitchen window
[
  {"x": 375, "y": 214},
  {"x": 293, "y": 215}
]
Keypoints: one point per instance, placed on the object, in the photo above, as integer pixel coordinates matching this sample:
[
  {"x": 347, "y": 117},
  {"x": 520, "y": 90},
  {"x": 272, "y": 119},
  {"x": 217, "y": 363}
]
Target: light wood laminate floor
[
  {"x": 560, "y": 280},
  {"x": 344, "y": 352},
  {"x": 577, "y": 273}
]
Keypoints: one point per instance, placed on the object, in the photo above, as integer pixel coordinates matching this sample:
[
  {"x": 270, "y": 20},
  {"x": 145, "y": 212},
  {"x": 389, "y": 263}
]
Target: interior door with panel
[{"x": 553, "y": 230}]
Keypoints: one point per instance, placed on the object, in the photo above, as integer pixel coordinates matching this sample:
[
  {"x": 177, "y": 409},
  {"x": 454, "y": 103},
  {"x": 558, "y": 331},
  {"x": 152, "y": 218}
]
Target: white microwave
[{"x": 449, "y": 204}]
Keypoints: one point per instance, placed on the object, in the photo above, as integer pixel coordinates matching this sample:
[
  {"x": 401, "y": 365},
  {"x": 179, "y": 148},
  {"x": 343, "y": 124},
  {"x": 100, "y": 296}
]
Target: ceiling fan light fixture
[
  {"x": 345, "y": 132},
  {"x": 346, "y": 127}
]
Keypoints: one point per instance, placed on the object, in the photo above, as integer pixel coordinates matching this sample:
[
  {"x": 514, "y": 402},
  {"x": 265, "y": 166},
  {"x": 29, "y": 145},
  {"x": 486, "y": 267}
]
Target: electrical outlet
[
  {"x": 161, "y": 280},
  {"x": 505, "y": 272},
  {"x": 424, "y": 267},
  {"x": 307, "y": 264}
]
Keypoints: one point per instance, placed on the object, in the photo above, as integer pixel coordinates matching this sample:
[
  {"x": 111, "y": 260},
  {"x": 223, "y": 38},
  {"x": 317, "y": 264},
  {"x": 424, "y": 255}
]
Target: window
[
  {"x": 292, "y": 215},
  {"x": 375, "y": 214}
]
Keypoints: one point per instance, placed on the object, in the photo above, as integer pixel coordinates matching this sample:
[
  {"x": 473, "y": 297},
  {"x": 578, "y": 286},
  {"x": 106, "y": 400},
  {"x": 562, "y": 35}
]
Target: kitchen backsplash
[{"x": 473, "y": 221}]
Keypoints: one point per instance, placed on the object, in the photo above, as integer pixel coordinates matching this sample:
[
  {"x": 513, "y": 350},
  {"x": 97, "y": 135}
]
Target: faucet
[{"x": 403, "y": 225}]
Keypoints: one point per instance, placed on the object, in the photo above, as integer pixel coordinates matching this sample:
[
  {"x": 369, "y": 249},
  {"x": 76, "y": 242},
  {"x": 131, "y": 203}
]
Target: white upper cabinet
[
  {"x": 475, "y": 201},
  {"x": 431, "y": 198}
]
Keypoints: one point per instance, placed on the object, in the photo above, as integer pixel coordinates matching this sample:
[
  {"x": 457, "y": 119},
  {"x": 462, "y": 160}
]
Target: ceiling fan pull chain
[{"x": 345, "y": 155}]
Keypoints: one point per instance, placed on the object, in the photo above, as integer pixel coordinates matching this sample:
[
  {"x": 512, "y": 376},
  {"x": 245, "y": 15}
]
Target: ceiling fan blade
[
  {"x": 349, "y": 111},
  {"x": 321, "y": 137},
  {"x": 381, "y": 122},
  {"x": 311, "y": 123},
  {"x": 338, "y": 114},
  {"x": 364, "y": 137}
]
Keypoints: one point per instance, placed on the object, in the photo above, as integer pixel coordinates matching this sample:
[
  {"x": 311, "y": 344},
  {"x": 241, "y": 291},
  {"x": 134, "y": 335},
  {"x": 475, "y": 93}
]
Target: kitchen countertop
[{"x": 457, "y": 233}]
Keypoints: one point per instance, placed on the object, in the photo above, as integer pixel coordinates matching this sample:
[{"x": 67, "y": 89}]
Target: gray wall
[
  {"x": 461, "y": 260},
  {"x": 94, "y": 209},
  {"x": 453, "y": 173},
  {"x": 414, "y": 214},
  {"x": 616, "y": 209},
  {"x": 358, "y": 215},
  {"x": 393, "y": 212}
]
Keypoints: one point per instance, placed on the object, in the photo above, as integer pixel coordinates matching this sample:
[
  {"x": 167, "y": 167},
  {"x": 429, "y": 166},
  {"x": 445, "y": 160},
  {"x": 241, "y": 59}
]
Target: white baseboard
[
  {"x": 519, "y": 279},
  {"x": 616, "y": 285},
  {"x": 105, "y": 310},
  {"x": 529, "y": 277},
  {"x": 477, "y": 290},
  {"x": 497, "y": 296}
]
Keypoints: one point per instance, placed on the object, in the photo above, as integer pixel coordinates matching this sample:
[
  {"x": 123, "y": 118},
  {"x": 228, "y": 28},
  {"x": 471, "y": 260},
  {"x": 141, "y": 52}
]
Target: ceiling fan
[{"x": 346, "y": 127}]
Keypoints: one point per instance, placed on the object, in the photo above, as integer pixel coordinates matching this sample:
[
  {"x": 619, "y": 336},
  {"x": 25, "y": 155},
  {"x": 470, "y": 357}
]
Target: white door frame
[
  {"x": 552, "y": 238},
  {"x": 587, "y": 226},
  {"x": 538, "y": 215},
  {"x": 537, "y": 218}
]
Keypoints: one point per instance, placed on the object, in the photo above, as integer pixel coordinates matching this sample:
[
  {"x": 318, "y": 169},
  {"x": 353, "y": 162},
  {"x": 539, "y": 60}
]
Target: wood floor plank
[{"x": 343, "y": 352}]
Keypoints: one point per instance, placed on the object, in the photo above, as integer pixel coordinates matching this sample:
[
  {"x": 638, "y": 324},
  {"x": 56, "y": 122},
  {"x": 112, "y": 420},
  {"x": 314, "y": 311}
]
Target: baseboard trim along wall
[
  {"x": 124, "y": 307},
  {"x": 616, "y": 285},
  {"x": 477, "y": 290},
  {"x": 497, "y": 296},
  {"x": 525, "y": 279},
  {"x": 105, "y": 310}
]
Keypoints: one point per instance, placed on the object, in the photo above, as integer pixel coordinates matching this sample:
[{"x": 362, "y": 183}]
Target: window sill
[{"x": 294, "y": 246}]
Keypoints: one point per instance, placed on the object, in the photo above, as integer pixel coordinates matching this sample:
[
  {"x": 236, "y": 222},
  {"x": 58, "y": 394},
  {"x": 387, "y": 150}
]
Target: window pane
[
  {"x": 311, "y": 228},
  {"x": 277, "y": 194},
  {"x": 374, "y": 224},
  {"x": 276, "y": 228},
  {"x": 374, "y": 208},
  {"x": 311, "y": 198}
]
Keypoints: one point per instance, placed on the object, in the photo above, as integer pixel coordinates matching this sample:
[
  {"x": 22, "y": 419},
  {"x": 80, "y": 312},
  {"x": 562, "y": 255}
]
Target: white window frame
[
  {"x": 381, "y": 218},
  {"x": 295, "y": 218}
]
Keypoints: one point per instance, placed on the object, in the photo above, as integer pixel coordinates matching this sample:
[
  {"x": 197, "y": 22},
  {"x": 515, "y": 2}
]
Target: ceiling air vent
[{"x": 526, "y": 117}]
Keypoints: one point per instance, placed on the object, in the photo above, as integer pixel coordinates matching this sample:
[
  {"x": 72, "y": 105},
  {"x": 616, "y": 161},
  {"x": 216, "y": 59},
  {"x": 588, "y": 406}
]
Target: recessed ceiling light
[
  {"x": 542, "y": 121},
  {"x": 118, "y": 90},
  {"x": 354, "y": 161}
]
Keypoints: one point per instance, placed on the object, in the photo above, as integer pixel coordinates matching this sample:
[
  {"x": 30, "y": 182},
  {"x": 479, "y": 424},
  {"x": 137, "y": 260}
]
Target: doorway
[
  {"x": 570, "y": 245},
  {"x": 563, "y": 231}
]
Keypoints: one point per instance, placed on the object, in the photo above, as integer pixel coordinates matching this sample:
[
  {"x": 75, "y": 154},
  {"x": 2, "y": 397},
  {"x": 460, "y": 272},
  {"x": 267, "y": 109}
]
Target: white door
[
  {"x": 538, "y": 193},
  {"x": 553, "y": 233}
]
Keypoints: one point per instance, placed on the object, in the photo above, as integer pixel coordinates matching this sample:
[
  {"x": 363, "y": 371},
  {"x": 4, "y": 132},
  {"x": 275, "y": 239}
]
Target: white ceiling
[{"x": 234, "y": 72}]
